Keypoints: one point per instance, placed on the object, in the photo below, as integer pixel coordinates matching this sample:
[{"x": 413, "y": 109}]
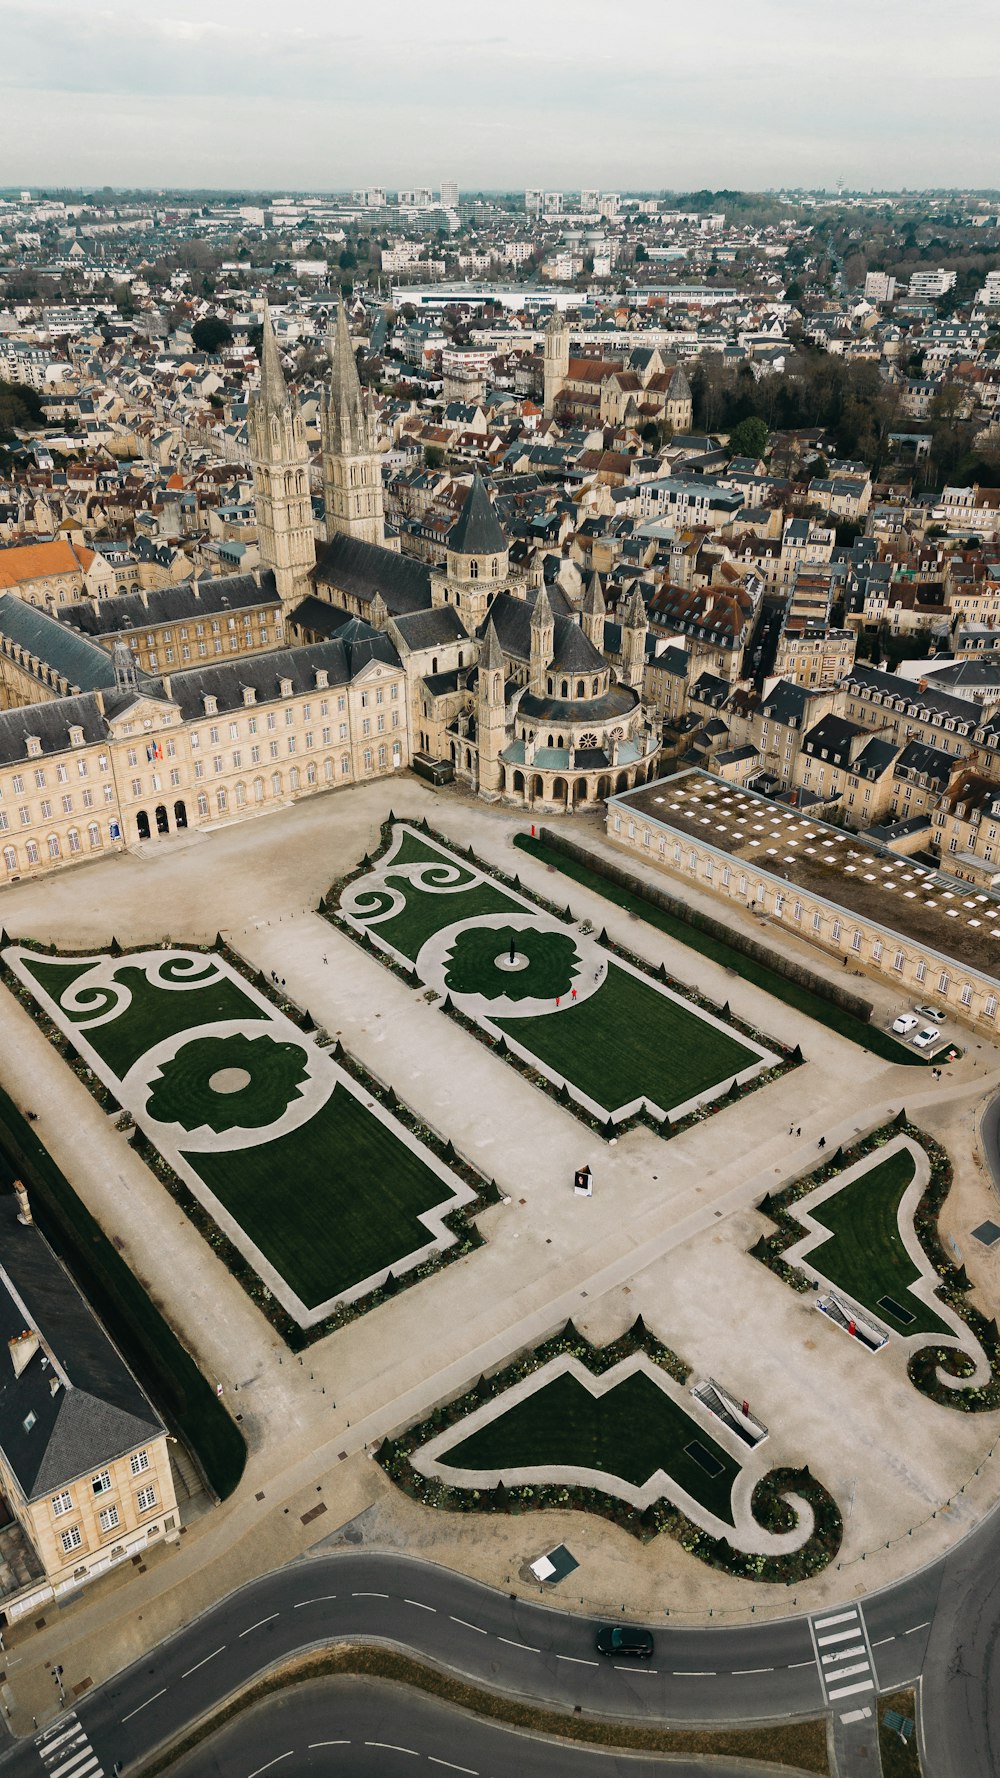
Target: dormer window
[
  {"x": 323, "y": 676},
  {"x": 34, "y": 746},
  {"x": 211, "y": 705},
  {"x": 76, "y": 737},
  {"x": 249, "y": 695},
  {"x": 286, "y": 687}
]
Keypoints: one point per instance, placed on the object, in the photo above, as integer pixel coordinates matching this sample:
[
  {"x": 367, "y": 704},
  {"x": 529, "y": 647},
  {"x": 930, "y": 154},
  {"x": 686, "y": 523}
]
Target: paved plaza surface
[{"x": 666, "y": 1233}]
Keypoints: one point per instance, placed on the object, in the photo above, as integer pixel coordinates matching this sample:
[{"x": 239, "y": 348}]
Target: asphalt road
[
  {"x": 350, "y": 1728},
  {"x": 531, "y": 1651}
]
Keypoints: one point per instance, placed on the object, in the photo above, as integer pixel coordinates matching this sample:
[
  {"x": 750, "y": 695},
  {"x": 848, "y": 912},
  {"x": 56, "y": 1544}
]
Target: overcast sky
[{"x": 623, "y": 94}]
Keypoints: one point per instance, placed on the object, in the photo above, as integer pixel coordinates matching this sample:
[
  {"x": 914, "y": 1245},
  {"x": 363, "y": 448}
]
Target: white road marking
[
  {"x": 793, "y": 1664},
  {"x": 270, "y": 1763},
  {"x": 577, "y": 1662},
  {"x": 637, "y": 1669},
  {"x": 471, "y": 1770},
  {"x": 849, "y": 1672},
  {"x": 370, "y": 1596},
  {"x": 839, "y": 1636},
  {"x": 86, "y": 1754},
  {"x": 324, "y": 1599},
  {"x": 856, "y": 1715},
  {"x": 203, "y": 1663},
  {"x": 741, "y": 1672},
  {"x": 81, "y": 1751},
  {"x": 390, "y": 1747},
  {"x": 314, "y": 1744},
  {"x": 884, "y": 1640},
  {"x": 842, "y": 1617},
  {"x": 525, "y": 1645},
  {"x": 844, "y": 1654},
  {"x": 916, "y": 1627},
  {"x": 848, "y": 1691},
  {"x": 694, "y": 1673},
  {"x": 420, "y": 1607},
  {"x": 160, "y": 1694},
  {"x": 468, "y": 1626},
  {"x": 263, "y": 1620}
]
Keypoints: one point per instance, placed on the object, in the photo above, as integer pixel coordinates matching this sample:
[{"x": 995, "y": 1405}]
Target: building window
[
  {"x": 62, "y": 1502},
  {"x": 943, "y": 983},
  {"x": 877, "y": 950},
  {"x": 835, "y": 930},
  {"x": 345, "y": 767},
  {"x": 990, "y": 1009},
  {"x": 145, "y": 1498},
  {"x": 71, "y": 1539},
  {"x": 203, "y": 805},
  {"x": 856, "y": 942},
  {"x": 898, "y": 960},
  {"x": 108, "y": 1519},
  {"x": 921, "y": 971},
  {"x": 32, "y": 852},
  {"x": 101, "y": 1483},
  {"x": 54, "y": 847},
  {"x": 966, "y": 994},
  {"x": 817, "y": 922}
]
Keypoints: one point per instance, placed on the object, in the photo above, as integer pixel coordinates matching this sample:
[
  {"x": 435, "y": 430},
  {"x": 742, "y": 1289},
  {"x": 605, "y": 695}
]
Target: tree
[
  {"x": 641, "y": 252},
  {"x": 433, "y": 456},
  {"x": 347, "y": 260},
  {"x": 749, "y": 438},
  {"x": 210, "y": 333}
]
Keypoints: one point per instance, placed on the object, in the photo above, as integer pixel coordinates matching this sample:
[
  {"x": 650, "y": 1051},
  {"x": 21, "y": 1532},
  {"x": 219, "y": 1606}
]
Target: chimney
[
  {"x": 22, "y": 1349},
  {"x": 23, "y": 1207}
]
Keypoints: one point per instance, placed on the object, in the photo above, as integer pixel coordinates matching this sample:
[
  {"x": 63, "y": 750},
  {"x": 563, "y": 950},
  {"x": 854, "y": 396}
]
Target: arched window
[
  {"x": 94, "y": 836},
  {"x": 276, "y": 784},
  {"x": 597, "y": 686},
  {"x": 581, "y": 689},
  {"x": 32, "y": 851},
  {"x": 222, "y": 799},
  {"x": 10, "y": 858},
  {"x": 241, "y": 795},
  {"x": 473, "y": 569},
  {"x": 311, "y": 772},
  {"x": 495, "y": 569},
  {"x": 328, "y": 771},
  {"x": 73, "y": 839},
  {"x": 55, "y": 850},
  {"x": 258, "y": 790},
  {"x": 293, "y": 778},
  {"x": 203, "y": 806},
  {"x": 565, "y": 688}
]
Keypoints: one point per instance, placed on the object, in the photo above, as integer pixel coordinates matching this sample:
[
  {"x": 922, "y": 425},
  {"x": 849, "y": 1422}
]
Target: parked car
[
  {"x": 931, "y": 1012},
  {"x": 930, "y": 1034},
  {"x": 624, "y": 1639},
  {"x": 906, "y": 1023}
]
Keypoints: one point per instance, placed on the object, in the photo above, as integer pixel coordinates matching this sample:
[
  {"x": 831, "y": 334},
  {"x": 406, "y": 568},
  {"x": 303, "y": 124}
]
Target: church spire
[
  {"x": 352, "y": 467},
  {"x": 273, "y": 389},
  {"x": 348, "y": 413}
]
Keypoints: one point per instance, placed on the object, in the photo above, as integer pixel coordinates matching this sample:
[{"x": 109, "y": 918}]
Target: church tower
[
  {"x": 635, "y": 624},
  {"x": 280, "y": 458},
  {"x": 491, "y": 721},
  {"x": 352, "y": 467},
  {"x": 543, "y": 630},
  {"x": 556, "y": 349},
  {"x": 478, "y": 561},
  {"x": 592, "y": 611}
]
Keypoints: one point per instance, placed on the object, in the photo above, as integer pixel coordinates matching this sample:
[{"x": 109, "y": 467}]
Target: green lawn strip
[
  {"x": 629, "y": 1041},
  {"x": 332, "y": 1202},
  {"x": 165, "y": 1369},
  {"x": 864, "y": 1254},
  {"x": 553, "y": 963},
  {"x": 631, "y": 1432},
  {"x": 413, "y": 850},
  {"x": 154, "y": 1014},
  {"x": 426, "y": 913},
  {"x": 900, "y": 1759},
  {"x": 793, "y": 993}
]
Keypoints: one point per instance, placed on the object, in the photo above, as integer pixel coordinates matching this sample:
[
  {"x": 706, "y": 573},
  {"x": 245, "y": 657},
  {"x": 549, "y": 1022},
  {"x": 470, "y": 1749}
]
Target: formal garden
[
  {"x": 613, "y": 1430},
  {"x": 315, "y": 1175},
  {"x": 865, "y": 1223},
  {"x": 616, "y": 1040}
]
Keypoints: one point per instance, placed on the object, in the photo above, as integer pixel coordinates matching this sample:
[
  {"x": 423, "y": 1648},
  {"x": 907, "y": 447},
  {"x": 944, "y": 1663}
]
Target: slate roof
[
  {"x": 342, "y": 657},
  {"x": 431, "y": 629},
  {"x": 83, "y": 665},
  {"x": 50, "y": 723},
  {"x": 188, "y": 600},
  {"x": 476, "y": 531},
  {"x": 360, "y": 570},
  {"x": 573, "y": 651},
  {"x": 611, "y": 706},
  {"x": 98, "y": 1412}
]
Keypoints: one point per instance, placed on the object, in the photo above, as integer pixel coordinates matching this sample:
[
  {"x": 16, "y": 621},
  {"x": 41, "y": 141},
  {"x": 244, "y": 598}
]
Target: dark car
[{"x": 624, "y": 1639}]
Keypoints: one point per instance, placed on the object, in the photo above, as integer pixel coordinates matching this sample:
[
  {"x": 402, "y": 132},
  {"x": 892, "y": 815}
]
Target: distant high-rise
[
  {"x": 533, "y": 202},
  {"x": 449, "y": 194}
]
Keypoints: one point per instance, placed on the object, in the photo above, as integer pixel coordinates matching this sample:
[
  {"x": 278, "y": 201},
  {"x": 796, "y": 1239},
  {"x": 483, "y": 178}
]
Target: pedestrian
[
  {"x": 799, "y": 1130},
  {"x": 325, "y": 958},
  {"x": 822, "y": 1142},
  {"x": 791, "y": 1129},
  {"x": 283, "y": 981}
]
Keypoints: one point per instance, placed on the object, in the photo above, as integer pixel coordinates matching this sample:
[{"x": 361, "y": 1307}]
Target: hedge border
[
  {"x": 607, "y": 1128},
  {"x": 953, "y": 1281},
  {"x": 459, "y": 1221},
  {"x": 769, "y": 1505}
]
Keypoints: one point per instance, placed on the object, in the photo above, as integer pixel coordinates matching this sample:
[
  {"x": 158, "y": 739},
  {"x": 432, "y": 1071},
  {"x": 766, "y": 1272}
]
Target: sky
[{"x": 635, "y": 95}]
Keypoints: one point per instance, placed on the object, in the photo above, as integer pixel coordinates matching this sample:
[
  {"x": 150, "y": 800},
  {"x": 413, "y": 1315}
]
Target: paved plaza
[{"x": 666, "y": 1234}]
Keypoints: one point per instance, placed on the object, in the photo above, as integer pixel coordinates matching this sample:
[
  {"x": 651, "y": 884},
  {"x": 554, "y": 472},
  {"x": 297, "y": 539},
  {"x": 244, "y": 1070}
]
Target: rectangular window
[
  {"x": 62, "y": 1502},
  {"x": 877, "y": 950},
  {"x": 71, "y": 1539},
  {"x": 46, "y": 809},
  {"x": 966, "y": 995},
  {"x": 990, "y": 1008},
  {"x": 145, "y": 1498},
  {"x": 921, "y": 971},
  {"x": 108, "y": 1519},
  {"x": 101, "y": 1483},
  {"x": 898, "y": 960},
  {"x": 943, "y": 982},
  {"x": 856, "y": 942}
]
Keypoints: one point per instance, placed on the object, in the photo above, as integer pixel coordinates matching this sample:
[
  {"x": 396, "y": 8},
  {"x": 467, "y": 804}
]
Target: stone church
[{"x": 506, "y": 679}]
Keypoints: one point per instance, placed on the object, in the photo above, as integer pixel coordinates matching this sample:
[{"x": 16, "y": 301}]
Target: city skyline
[{"x": 228, "y": 100}]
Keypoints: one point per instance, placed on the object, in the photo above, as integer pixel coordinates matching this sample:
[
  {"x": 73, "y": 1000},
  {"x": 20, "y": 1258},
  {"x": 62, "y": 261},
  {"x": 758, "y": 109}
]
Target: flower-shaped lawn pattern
[
  {"x": 545, "y": 963},
  {"x": 228, "y": 1083}
]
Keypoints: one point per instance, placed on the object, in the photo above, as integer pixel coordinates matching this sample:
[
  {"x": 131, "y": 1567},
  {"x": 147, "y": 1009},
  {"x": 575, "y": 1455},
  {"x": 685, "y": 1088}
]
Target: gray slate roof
[
  {"x": 360, "y": 570},
  {"x": 83, "y": 665},
  {"x": 476, "y": 531},
  {"x": 187, "y": 601},
  {"x": 102, "y": 1415}
]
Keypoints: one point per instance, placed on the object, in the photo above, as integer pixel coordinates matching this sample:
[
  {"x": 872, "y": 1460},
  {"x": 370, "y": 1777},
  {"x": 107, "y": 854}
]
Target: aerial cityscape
[{"x": 499, "y": 896}]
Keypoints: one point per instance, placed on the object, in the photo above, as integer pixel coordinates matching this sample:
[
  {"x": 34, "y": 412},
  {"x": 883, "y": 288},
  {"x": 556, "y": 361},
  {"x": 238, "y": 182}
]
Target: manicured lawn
[
  {"x": 154, "y": 1013},
  {"x": 426, "y": 913},
  {"x": 274, "y": 1072},
  {"x": 331, "y": 1203},
  {"x": 628, "y": 1041},
  {"x": 865, "y": 1255},
  {"x": 793, "y": 993},
  {"x": 553, "y": 962},
  {"x": 631, "y": 1432}
]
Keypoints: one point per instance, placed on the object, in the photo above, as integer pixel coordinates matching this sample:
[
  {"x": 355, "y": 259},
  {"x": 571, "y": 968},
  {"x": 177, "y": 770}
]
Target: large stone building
[
  {"x": 84, "y": 1462},
  {"x": 642, "y": 389}
]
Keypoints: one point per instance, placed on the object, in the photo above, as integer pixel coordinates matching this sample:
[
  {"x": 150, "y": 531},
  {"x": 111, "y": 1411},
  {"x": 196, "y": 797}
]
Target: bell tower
[
  {"x": 491, "y": 721},
  {"x": 556, "y": 367},
  {"x": 352, "y": 467},
  {"x": 280, "y": 458}
]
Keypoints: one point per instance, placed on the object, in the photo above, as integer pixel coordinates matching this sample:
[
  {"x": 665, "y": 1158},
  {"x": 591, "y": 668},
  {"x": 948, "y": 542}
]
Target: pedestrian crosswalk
[
  {"x": 65, "y": 1750},
  {"x": 843, "y": 1654}
]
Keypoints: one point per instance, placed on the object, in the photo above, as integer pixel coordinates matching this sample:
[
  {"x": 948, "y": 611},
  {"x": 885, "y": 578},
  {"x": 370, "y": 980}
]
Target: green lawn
[
  {"x": 553, "y": 962},
  {"x": 426, "y": 913},
  {"x": 631, "y": 1432},
  {"x": 864, "y": 1254},
  {"x": 331, "y": 1203},
  {"x": 154, "y": 1014},
  {"x": 793, "y": 993},
  {"x": 629, "y": 1041},
  {"x": 274, "y": 1074}
]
